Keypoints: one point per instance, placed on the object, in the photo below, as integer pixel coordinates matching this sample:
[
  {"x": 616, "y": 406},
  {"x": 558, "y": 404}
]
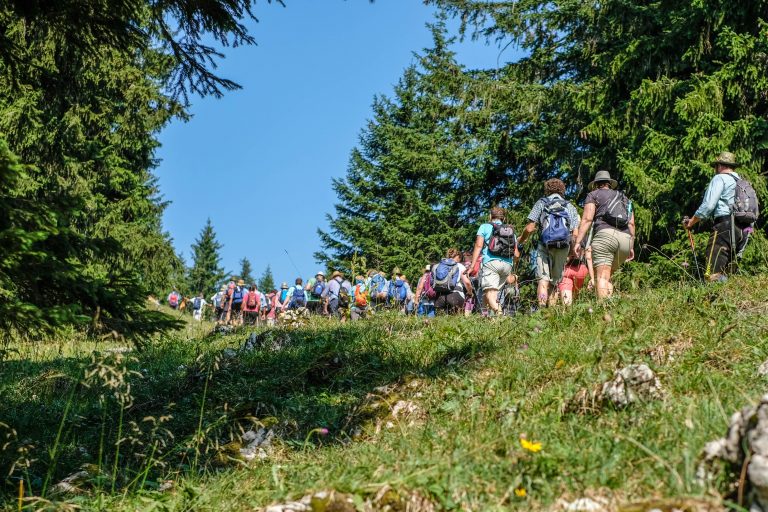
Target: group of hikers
[{"x": 569, "y": 249}]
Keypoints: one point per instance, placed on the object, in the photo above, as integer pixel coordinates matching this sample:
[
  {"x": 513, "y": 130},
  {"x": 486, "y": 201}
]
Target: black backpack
[
  {"x": 745, "y": 208},
  {"x": 503, "y": 241},
  {"x": 618, "y": 212}
]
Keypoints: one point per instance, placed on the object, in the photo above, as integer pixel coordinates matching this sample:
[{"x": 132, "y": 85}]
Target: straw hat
[
  {"x": 602, "y": 176},
  {"x": 336, "y": 274},
  {"x": 240, "y": 283},
  {"x": 726, "y": 158}
]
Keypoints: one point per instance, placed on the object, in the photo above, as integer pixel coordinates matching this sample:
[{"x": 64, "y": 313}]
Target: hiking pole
[{"x": 693, "y": 247}]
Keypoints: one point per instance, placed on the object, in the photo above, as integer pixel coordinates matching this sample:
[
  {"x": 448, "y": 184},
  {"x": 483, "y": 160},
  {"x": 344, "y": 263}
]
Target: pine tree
[
  {"x": 245, "y": 271},
  {"x": 205, "y": 273},
  {"x": 423, "y": 175},
  {"x": 267, "y": 280}
]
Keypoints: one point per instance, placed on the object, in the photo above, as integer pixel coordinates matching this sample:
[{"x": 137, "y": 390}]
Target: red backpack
[
  {"x": 254, "y": 301},
  {"x": 173, "y": 300}
]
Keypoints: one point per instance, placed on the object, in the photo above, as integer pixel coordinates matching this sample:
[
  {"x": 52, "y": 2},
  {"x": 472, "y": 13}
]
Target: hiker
[
  {"x": 235, "y": 311},
  {"x": 226, "y": 303},
  {"x": 283, "y": 297},
  {"x": 575, "y": 274},
  {"x": 378, "y": 287},
  {"x": 359, "y": 302},
  {"x": 497, "y": 243},
  {"x": 732, "y": 202},
  {"x": 252, "y": 306},
  {"x": 296, "y": 297},
  {"x": 174, "y": 299},
  {"x": 216, "y": 300},
  {"x": 613, "y": 232},
  {"x": 425, "y": 294},
  {"x": 273, "y": 299},
  {"x": 198, "y": 304},
  {"x": 450, "y": 283},
  {"x": 265, "y": 305},
  {"x": 558, "y": 222},
  {"x": 315, "y": 288},
  {"x": 334, "y": 292},
  {"x": 399, "y": 292}
]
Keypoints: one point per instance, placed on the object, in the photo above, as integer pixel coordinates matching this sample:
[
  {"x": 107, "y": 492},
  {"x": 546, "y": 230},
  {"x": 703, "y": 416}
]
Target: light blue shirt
[
  {"x": 486, "y": 231},
  {"x": 719, "y": 197}
]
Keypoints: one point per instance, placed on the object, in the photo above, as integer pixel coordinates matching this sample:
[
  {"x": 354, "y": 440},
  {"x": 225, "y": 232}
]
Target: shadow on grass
[{"x": 302, "y": 380}]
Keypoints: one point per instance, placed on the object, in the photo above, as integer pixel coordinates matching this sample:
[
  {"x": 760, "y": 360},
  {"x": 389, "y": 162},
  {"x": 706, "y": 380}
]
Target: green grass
[{"x": 479, "y": 386}]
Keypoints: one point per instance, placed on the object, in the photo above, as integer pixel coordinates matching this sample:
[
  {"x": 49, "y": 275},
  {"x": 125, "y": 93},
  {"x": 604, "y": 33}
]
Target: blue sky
[{"x": 259, "y": 162}]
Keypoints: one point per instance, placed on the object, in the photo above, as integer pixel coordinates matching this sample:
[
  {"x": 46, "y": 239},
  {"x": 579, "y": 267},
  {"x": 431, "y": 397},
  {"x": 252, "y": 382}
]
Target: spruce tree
[
  {"x": 245, "y": 271},
  {"x": 205, "y": 273},
  {"x": 422, "y": 176},
  {"x": 267, "y": 280}
]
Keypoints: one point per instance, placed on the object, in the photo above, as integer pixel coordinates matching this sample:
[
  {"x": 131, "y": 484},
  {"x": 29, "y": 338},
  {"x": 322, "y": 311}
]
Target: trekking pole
[{"x": 693, "y": 247}]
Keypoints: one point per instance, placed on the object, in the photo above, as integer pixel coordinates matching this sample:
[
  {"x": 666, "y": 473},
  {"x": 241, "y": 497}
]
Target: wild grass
[{"x": 133, "y": 421}]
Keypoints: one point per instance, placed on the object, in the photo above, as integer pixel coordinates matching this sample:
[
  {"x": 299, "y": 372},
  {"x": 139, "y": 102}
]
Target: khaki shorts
[
  {"x": 550, "y": 263},
  {"x": 494, "y": 274},
  {"x": 610, "y": 247}
]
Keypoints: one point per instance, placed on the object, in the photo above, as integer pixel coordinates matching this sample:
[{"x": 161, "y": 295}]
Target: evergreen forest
[{"x": 648, "y": 90}]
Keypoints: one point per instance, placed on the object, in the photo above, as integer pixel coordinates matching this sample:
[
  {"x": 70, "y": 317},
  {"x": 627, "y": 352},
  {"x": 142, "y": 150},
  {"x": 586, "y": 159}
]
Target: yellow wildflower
[
  {"x": 531, "y": 447},
  {"x": 520, "y": 492}
]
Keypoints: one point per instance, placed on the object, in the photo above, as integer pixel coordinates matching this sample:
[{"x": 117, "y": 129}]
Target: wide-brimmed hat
[
  {"x": 726, "y": 158},
  {"x": 240, "y": 283},
  {"x": 223, "y": 287},
  {"x": 320, "y": 274},
  {"x": 336, "y": 274},
  {"x": 603, "y": 176},
  {"x": 284, "y": 286}
]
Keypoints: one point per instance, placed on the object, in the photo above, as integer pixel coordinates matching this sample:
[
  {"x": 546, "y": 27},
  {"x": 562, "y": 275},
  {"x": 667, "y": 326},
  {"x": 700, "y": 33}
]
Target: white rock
[
  {"x": 632, "y": 383},
  {"x": 585, "y": 505},
  {"x": 763, "y": 369}
]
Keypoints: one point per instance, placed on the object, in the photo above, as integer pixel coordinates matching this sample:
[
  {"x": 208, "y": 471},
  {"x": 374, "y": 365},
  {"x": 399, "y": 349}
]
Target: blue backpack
[
  {"x": 237, "y": 295},
  {"x": 445, "y": 276},
  {"x": 299, "y": 297},
  {"x": 398, "y": 291},
  {"x": 317, "y": 291},
  {"x": 555, "y": 224},
  {"x": 378, "y": 283}
]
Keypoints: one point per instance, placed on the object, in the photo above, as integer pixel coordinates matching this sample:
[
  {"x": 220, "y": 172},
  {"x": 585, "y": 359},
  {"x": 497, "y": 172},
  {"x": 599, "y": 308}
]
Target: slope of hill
[{"x": 453, "y": 413}]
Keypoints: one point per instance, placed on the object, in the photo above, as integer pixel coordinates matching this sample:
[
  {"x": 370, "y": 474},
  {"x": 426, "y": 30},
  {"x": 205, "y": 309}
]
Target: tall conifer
[{"x": 206, "y": 271}]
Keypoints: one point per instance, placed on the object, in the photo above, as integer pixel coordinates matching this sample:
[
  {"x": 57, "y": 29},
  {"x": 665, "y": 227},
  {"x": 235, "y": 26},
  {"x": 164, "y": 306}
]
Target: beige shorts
[
  {"x": 494, "y": 274},
  {"x": 610, "y": 247},
  {"x": 550, "y": 264}
]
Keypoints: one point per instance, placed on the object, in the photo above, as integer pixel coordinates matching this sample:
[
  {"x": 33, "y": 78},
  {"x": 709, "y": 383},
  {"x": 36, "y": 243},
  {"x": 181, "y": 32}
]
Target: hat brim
[
  {"x": 732, "y": 165},
  {"x": 613, "y": 183}
]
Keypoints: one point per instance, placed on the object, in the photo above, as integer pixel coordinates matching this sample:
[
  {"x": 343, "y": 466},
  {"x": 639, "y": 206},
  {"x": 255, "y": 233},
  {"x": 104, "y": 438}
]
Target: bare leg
[
  {"x": 491, "y": 298},
  {"x": 604, "y": 286}
]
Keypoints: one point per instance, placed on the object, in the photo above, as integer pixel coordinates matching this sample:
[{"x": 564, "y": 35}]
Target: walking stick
[{"x": 693, "y": 247}]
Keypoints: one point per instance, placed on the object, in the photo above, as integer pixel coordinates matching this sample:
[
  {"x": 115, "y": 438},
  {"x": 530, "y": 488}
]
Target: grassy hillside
[{"x": 447, "y": 413}]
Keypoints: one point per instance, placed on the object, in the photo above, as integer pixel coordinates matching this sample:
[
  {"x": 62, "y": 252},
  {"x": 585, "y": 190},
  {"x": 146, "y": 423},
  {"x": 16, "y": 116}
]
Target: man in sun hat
[
  {"x": 333, "y": 294},
  {"x": 315, "y": 288},
  {"x": 609, "y": 211},
  {"x": 726, "y": 236}
]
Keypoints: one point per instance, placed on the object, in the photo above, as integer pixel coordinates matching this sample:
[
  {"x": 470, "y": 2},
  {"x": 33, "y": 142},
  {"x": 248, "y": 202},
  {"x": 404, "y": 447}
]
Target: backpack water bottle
[{"x": 555, "y": 224}]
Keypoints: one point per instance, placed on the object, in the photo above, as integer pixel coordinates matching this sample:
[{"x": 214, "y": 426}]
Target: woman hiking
[{"x": 614, "y": 230}]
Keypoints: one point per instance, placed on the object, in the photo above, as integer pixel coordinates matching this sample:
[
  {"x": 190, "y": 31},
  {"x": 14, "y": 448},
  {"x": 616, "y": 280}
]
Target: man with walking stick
[{"x": 732, "y": 202}]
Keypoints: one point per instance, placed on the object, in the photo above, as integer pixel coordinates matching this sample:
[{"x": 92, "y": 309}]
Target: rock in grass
[
  {"x": 633, "y": 383},
  {"x": 745, "y": 446},
  {"x": 762, "y": 370}
]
